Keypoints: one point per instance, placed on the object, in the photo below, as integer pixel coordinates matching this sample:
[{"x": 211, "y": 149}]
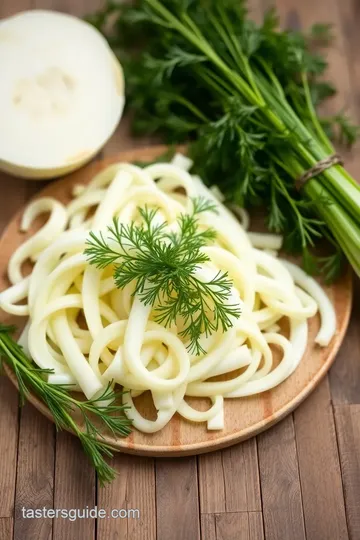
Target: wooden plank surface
[
  {"x": 229, "y": 480},
  {"x": 232, "y": 526},
  {"x": 280, "y": 483},
  {"x": 176, "y": 480},
  {"x": 6, "y": 528},
  {"x": 34, "y": 490},
  {"x": 299, "y": 480},
  {"x": 347, "y": 420},
  {"x": 133, "y": 488},
  {"x": 320, "y": 476},
  {"x": 74, "y": 487}
]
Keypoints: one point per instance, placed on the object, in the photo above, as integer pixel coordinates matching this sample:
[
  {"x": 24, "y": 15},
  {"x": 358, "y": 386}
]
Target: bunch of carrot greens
[{"x": 246, "y": 97}]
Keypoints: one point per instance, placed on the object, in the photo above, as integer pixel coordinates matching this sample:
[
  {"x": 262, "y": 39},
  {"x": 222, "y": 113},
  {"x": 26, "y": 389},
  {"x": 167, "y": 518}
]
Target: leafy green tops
[{"x": 245, "y": 96}]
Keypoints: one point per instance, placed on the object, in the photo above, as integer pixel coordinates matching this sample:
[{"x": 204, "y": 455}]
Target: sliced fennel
[{"x": 61, "y": 93}]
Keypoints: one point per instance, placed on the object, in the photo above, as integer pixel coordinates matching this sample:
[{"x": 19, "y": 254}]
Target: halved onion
[{"x": 61, "y": 93}]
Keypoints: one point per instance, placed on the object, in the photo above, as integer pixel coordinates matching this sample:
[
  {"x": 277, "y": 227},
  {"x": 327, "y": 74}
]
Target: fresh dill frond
[
  {"x": 332, "y": 265},
  {"x": 166, "y": 270},
  {"x": 61, "y": 403}
]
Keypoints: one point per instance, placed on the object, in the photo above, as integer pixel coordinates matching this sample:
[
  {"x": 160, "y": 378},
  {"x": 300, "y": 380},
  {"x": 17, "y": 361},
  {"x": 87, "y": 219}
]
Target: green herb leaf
[{"x": 164, "y": 268}]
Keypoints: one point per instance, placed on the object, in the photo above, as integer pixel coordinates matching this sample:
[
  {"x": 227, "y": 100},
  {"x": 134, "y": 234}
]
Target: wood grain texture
[
  {"x": 241, "y": 477},
  {"x": 280, "y": 483},
  {"x": 9, "y": 414},
  {"x": 345, "y": 374},
  {"x": 133, "y": 488},
  {"x": 34, "y": 490},
  {"x": 76, "y": 7},
  {"x": 348, "y": 429},
  {"x": 320, "y": 475},
  {"x": 211, "y": 483},
  {"x": 208, "y": 528},
  {"x": 256, "y": 526},
  {"x": 177, "y": 499},
  {"x": 229, "y": 481},
  {"x": 9, "y": 7},
  {"x": 239, "y": 526},
  {"x": 74, "y": 488},
  {"x": 6, "y": 528},
  {"x": 232, "y": 526}
]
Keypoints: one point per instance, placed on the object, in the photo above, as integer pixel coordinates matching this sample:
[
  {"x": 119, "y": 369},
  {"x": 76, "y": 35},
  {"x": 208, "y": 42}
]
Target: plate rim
[{"x": 126, "y": 445}]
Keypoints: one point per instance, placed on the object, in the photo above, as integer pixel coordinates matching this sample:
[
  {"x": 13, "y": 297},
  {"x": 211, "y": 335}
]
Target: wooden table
[{"x": 299, "y": 480}]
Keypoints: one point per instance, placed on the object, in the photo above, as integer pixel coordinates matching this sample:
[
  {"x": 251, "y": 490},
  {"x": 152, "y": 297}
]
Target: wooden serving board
[{"x": 244, "y": 417}]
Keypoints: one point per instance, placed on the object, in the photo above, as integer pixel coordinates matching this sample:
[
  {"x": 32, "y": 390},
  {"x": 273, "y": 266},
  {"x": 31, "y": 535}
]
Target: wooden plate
[{"x": 244, "y": 417}]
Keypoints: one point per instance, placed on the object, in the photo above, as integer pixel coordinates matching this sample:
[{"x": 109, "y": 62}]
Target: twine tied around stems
[{"x": 317, "y": 169}]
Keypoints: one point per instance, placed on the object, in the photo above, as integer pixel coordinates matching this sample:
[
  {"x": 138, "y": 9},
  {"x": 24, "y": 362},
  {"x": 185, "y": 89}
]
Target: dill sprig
[
  {"x": 164, "y": 267},
  {"x": 245, "y": 96},
  {"x": 62, "y": 404}
]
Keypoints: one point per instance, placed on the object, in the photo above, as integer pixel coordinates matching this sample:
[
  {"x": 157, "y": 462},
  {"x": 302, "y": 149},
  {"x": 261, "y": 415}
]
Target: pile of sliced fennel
[
  {"x": 61, "y": 93},
  {"x": 121, "y": 342}
]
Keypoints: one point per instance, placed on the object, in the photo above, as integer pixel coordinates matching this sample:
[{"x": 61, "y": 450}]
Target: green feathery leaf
[{"x": 166, "y": 270}]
